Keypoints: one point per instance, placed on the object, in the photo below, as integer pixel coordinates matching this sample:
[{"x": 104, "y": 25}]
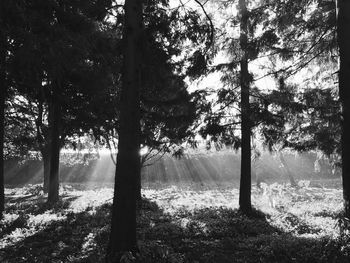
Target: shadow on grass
[
  {"x": 37, "y": 204},
  {"x": 208, "y": 235},
  {"x": 76, "y": 238},
  {"x": 225, "y": 235}
]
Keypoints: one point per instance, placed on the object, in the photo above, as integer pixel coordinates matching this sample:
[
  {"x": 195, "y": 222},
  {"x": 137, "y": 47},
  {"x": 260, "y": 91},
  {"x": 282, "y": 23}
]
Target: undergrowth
[{"x": 77, "y": 228}]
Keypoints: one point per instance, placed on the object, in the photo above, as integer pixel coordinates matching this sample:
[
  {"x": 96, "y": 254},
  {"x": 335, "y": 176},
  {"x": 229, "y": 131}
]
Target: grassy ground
[{"x": 192, "y": 224}]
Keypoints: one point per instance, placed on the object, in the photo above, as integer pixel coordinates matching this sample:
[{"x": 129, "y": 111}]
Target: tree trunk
[
  {"x": 44, "y": 140},
  {"x": 139, "y": 181},
  {"x": 245, "y": 183},
  {"x": 46, "y": 164},
  {"x": 55, "y": 145},
  {"x": 123, "y": 227},
  {"x": 3, "y": 89},
  {"x": 287, "y": 170},
  {"x": 2, "y": 128},
  {"x": 343, "y": 25}
]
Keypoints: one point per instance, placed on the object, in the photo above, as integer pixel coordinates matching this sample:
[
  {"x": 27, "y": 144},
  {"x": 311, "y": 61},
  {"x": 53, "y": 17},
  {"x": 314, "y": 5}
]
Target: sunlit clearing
[
  {"x": 302, "y": 212},
  {"x": 89, "y": 199},
  {"x": 36, "y": 218}
]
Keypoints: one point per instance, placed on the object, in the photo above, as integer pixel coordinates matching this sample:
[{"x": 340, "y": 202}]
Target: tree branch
[{"x": 212, "y": 29}]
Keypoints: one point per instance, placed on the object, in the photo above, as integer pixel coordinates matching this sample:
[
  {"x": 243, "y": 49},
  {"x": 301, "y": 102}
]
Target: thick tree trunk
[
  {"x": 2, "y": 128},
  {"x": 123, "y": 228},
  {"x": 46, "y": 164},
  {"x": 44, "y": 141},
  {"x": 55, "y": 146},
  {"x": 139, "y": 182},
  {"x": 343, "y": 24},
  {"x": 245, "y": 183},
  {"x": 3, "y": 89}
]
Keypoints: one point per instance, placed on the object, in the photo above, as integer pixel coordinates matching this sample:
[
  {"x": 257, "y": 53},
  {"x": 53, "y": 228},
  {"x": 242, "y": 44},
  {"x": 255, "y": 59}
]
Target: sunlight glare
[{"x": 143, "y": 150}]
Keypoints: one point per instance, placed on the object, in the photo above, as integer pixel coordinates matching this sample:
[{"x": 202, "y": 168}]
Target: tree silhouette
[
  {"x": 5, "y": 26},
  {"x": 3, "y": 89},
  {"x": 343, "y": 23},
  {"x": 54, "y": 42},
  {"x": 123, "y": 225},
  {"x": 245, "y": 79}
]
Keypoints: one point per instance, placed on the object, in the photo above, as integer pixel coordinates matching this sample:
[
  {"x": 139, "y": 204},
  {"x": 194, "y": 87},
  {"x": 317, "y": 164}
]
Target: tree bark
[
  {"x": 55, "y": 145},
  {"x": 3, "y": 91},
  {"x": 2, "y": 129},
  {"x": 2, "y": 123},
  {"x": 139, "y": 181},
  {"x": 123, "y": 227},
  {"x": 44, "y": 141},
  {"x": 46, "y": 164},
  {"x": 343, "y": 25},
  {"x": 245, "y": 183}
]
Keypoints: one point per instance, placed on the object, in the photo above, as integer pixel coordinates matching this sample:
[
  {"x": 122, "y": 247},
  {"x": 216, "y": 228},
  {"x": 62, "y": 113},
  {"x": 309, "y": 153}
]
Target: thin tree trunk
[
  {"x": 287, "y": 170},
  {"x": 3, "y": 89},
  {"x": 55, "y": 145},
  {"x": 245, "y": 183},
  {"x": 123, "y": 227},
  {"x": 343, "y": 25}
]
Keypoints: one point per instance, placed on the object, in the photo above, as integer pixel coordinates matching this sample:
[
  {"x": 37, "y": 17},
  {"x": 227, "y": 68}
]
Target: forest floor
[{"x": 178, "y": 225}]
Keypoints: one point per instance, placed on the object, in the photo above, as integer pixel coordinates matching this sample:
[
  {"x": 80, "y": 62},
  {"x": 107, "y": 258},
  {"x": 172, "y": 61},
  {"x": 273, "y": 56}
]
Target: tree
[
  {"x": 167, "y": 108},
  {"x": 57, "y": 40},
  {"x": 343, "y": 23},
  {"x": 6, "y": 11},
  {"x": 245, "y": 183},
  {"x": 3, "y": 89},
  {"x": 55, "y": 143},
  {"x": 306, "y": 114},
  {"x": 123, "y": 226},
  {"x": 285, "y": 29},
  {"x": 234, "y": 100},
  {"x": 9, "y": 20},
  {"x": 163, "y": 105},
  {"x": 73, "y": 30},
  {"x": 323, "y": 28}
]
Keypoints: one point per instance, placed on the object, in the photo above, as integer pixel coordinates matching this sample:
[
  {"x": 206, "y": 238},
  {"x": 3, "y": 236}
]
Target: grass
[{"x": 178, "y": 225}]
